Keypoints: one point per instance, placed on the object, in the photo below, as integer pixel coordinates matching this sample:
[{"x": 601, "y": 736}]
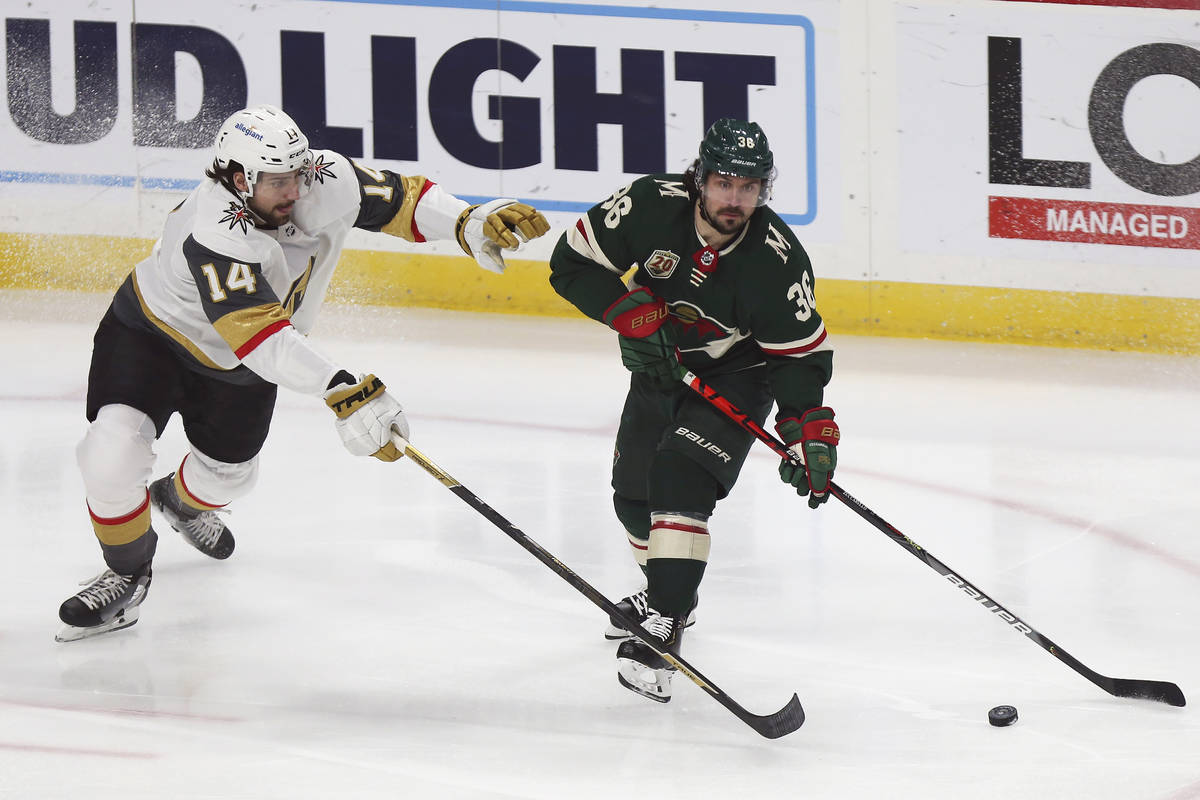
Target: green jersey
[{"x": 750, "y": 303}]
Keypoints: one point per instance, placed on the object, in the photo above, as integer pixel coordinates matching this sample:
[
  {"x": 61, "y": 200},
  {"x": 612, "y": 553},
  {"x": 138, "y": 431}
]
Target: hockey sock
[
  {"x": 635, "y": 517},
  {"x": 676, "y": 560}
]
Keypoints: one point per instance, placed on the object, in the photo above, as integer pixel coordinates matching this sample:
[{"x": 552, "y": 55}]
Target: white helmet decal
[{"x": 262, "y": 139}]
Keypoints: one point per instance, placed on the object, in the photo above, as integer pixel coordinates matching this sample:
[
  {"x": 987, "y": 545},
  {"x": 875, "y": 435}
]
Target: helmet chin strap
[
  {"x": 259, "y": 221},
  {"x": 245, "y": 197},
  {"x": 704, "y": 211}
]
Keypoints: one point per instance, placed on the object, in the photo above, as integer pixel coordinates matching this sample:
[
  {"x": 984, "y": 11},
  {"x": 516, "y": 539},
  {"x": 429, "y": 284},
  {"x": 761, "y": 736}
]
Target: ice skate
[
  {"x": 639, "y": 668},
  {"x": 203, "y": 530},
  {"x": 107, "y": 603},
  {"x": 636, "y": 606}
]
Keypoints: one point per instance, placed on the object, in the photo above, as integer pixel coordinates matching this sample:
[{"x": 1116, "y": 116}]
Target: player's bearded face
[
  {"x": 275, "y": 196},
  {"x": 729, "y": 201}
]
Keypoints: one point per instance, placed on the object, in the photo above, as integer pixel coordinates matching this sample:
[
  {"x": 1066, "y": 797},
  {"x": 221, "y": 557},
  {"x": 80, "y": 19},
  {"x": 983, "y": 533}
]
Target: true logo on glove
[{"x": 342, "y": 407}]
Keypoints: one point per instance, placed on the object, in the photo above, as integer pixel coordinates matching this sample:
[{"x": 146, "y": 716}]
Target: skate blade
[
  {"x": 640, "y": 679},
  {"x": 219, "y": 553},
  {"x": 70, "y": 633},
  {"x": 614, "y": 633}
]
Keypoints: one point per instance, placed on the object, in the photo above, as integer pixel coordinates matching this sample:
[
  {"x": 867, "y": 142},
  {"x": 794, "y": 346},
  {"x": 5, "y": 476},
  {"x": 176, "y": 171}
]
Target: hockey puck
[{"x": 1002, "y": 716}]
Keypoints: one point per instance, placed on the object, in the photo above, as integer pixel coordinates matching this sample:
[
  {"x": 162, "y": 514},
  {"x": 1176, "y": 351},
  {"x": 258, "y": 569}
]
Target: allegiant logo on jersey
[
  {"x": 692, "y": 436},
  {"x": 249, "y": 131}
]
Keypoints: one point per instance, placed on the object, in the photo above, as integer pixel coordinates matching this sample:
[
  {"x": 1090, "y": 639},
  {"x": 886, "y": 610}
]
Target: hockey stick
[
  {"x": 1160, "y": 691},
  {"x": 772, "y": 726}
]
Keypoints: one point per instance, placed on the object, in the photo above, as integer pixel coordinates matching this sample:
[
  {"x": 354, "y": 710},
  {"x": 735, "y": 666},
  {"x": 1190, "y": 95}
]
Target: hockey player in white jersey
[{"x": 213, "y": 322}]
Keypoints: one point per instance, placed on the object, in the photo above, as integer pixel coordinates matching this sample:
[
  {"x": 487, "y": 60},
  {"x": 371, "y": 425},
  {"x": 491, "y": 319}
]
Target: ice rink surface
[{"x": 375, "y": 637}]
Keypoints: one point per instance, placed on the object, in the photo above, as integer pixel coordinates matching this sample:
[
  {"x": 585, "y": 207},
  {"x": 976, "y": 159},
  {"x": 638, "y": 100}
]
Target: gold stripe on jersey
[
  {"x": 295, "y": 295},
  {"x": 244, "y": 325},
  {"x": 190, "y": 500},
  {"x": 116, "y": 531},
  {"x": 175, "y": 335},
  {"x": 402, "y": 223}
]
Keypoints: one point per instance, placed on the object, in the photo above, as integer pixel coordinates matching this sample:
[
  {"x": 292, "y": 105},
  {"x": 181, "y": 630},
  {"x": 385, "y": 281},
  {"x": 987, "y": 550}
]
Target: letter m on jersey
[{"x": 776, "y": 241}]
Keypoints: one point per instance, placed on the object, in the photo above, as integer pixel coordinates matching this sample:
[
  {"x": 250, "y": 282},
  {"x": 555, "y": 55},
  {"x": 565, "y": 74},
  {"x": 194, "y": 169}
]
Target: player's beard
[
  {"x": 725, "y": 225},
  {"x": 273, "y": 216}
]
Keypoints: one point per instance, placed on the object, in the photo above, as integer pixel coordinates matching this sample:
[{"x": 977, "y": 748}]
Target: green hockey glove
[
  {"x": 813, "y": 440},
  {"x": 647, "y": 344}
]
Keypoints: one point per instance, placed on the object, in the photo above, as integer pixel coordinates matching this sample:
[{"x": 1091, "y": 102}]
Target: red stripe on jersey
[
  {"x": 679, "y": 526},
  {"x": 787, "y": 351},
  {"x": 260, "y": 337},
  {"x": 426, "y": 187},
  {"x": 582, "y": 232},
  {"x": 123, "y": 519}
]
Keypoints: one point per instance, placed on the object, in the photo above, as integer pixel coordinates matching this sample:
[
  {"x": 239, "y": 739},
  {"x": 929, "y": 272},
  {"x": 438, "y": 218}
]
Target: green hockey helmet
[{"x": 737, "y": 147}]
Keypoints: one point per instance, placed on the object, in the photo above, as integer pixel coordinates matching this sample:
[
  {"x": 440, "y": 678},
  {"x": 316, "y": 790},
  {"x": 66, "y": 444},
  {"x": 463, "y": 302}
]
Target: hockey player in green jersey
[
  {"x": 721, "y": 285},
  {"x": 215, "y": 319}
]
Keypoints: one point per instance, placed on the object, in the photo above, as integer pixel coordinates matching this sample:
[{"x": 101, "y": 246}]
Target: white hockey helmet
[{"x": 262, "y": 139}]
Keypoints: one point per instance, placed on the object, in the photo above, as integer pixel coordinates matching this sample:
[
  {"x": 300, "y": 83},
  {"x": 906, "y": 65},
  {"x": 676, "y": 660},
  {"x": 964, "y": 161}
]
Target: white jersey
[{"x": 232, "y": 295}]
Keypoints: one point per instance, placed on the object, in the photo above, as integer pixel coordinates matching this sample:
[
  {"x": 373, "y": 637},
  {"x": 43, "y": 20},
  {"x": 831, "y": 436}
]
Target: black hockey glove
[{"x": 647, "y": 338}]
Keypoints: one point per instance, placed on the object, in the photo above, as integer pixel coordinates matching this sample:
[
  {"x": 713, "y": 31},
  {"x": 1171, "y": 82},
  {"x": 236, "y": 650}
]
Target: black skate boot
[
  {"x": 639, "y": 668},
  {"x": 107, "y": 603},
  {"x": 636, "y": 606},
  {"x": 202, "y": 529}
]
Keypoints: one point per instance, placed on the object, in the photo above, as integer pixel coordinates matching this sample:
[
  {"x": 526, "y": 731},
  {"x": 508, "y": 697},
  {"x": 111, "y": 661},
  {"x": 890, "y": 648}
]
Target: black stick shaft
[
  {"x": 772, "y": 726},
  {"x": 1160, "y": 691}
]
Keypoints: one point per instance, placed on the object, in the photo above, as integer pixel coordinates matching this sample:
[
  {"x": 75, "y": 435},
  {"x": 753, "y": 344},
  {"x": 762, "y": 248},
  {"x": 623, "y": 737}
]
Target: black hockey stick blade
[
  {"x": 1158, "y": 691},
  {"x": 771, "y": 726}
]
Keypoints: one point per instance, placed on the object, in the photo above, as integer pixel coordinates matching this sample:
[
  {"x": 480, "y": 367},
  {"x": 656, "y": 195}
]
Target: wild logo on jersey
[
  {"x": 695, "y": 326},
  {"x": 237, "y": 215},
  {"x": 318, "y": 170}
]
